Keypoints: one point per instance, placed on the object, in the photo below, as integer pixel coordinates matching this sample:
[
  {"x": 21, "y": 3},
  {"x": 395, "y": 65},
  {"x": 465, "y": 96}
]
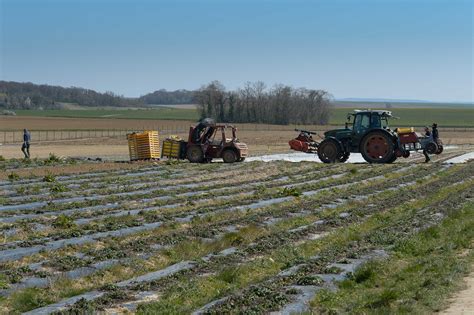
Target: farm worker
[
  {"x": 435, "y": 132},
  {"x": 427, "y": 134},
  {"x": 25, "y": 147}
]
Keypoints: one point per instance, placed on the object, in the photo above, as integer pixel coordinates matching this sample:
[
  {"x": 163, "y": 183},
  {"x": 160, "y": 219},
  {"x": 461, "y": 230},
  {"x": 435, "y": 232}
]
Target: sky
[{"x": 400, "y": 49}]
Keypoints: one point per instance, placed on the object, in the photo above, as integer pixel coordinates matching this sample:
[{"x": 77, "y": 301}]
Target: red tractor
[{"x": 207, "y": 141}]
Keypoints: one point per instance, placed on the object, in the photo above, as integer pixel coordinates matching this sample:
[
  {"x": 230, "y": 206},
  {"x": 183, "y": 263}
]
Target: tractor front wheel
[
  {"x": 229, "y": 156},
  {"x": 377, "y": 147},
  {"x": 329, "y": 151},
  {"x": 195, "y": 154}
]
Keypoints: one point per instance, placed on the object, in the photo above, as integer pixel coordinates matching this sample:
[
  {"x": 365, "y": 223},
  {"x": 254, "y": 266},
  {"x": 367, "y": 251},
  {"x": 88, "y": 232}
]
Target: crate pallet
[{"x": 144, "y": 146}]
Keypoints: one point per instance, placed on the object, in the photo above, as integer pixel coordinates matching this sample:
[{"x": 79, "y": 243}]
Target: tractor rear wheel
[
  {"x": 392, "y": 159},
  {"x": 229, "y": 156},
  {"x": 195, "y": 154},
  {"x": 329, "y": 151},
  {"x": 377, "y": 147}
]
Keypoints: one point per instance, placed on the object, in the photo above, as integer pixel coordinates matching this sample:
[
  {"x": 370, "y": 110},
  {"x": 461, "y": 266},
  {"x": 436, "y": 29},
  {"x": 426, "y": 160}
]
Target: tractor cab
[{"x": 363, "y": 121}]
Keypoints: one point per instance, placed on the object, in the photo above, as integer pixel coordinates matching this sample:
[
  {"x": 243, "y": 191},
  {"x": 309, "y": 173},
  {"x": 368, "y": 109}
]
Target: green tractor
[{"x": 366, "y": 132}]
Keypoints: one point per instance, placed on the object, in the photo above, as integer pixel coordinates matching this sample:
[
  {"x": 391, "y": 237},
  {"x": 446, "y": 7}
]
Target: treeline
[
  {"x": 16, "y": 95},
  {"x": 163, "y": 96},
  {"x": 255, "y": 103}
]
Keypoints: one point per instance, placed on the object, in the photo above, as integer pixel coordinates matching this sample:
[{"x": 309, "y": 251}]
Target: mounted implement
[{"x": 367, "y": 132}]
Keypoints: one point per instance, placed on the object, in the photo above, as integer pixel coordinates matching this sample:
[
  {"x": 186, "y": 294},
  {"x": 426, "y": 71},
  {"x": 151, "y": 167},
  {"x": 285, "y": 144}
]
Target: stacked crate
[
  {"x": 174, "y": 148},
  {"x": 144, "y": 146}
]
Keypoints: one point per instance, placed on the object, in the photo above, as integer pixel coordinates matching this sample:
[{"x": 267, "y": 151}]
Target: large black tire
[
  {"x": 440, "y": 149},
  {"x": 344, "y": 157},
  {"x": 329, "y": 151},
  {"x": 229, "y": 156},
  {"x": 392, "y": 159},
  {"x": 377, "y": 147},
  {"x": 195, "y": 154}
]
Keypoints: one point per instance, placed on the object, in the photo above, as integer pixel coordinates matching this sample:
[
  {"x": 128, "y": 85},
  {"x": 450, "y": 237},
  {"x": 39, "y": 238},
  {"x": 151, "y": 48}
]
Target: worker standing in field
[
  {"x": 427, "y": 134},
  {"x": 25, "y": 147},
  {"x": 435, "y": 132}
]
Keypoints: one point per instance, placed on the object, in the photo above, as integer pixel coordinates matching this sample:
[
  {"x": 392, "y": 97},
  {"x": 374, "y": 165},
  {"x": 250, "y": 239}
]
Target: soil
[
  {"x": 262, "y": 139},
  {"x": 72, "y": 169},
  {"x": 463, "y": 301}
]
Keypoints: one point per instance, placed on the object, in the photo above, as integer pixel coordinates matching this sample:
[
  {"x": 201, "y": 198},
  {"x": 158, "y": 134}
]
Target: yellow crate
[
  {"x": 144, "y": 146},
  {"x": 171, "y": 148}
]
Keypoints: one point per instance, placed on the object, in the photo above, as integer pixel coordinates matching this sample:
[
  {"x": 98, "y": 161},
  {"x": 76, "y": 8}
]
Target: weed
[
  {"x": 229, "y": 275},
  {"x": 309, "y": 280},
  {"x": 63, "y": 222},
  {"x": 49, "y": 178},
  {"x": 364, "y": 273},
  {"x": 52, "y": 159},
  {"x": 13, "y": 176},
  {"x": 3, "y": 282},
  {"x": 172, "y": 162},
  {"x": 21, "y": 190},
  {"x": 57, "y": 188},
  {"x": 289, "y": 191},
  {"x": 30, "y": 298},
  {"x": 68, "y": 262}
]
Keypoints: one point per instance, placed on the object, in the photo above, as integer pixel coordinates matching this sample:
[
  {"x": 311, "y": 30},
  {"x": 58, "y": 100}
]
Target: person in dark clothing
[
  {"x": 25, "y": 147},
  {"x": 435, "y": 132},
  {"x": 427, "y": 134}
]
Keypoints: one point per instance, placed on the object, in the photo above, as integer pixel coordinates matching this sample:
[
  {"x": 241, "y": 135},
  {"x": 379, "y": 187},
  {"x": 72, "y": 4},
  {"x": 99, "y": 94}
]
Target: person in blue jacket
[{"x": 25, "y": 147}]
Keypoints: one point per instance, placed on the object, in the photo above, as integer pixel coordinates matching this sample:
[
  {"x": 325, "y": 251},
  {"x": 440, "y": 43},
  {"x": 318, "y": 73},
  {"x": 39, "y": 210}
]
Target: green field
[
  {"x": 159, "y": 113},
  {"x": 455, "y": 117}
]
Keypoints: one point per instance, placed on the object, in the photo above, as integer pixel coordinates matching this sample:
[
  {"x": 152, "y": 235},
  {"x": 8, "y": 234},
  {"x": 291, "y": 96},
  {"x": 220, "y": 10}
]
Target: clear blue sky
[{"x": 380, "y": 49}]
